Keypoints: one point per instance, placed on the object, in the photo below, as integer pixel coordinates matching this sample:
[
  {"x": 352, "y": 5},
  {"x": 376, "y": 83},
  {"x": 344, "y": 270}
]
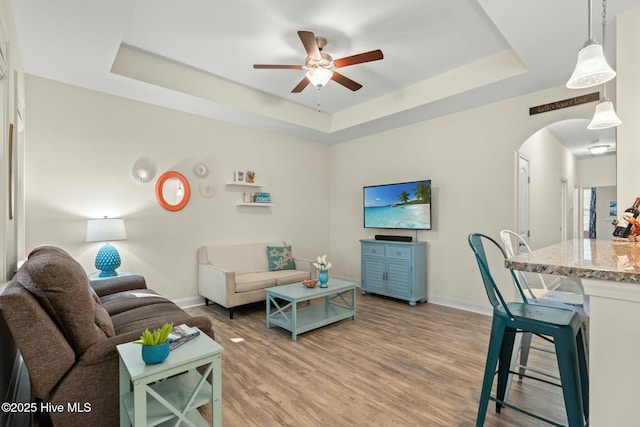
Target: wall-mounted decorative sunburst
[{"x": 143, "y": 170}]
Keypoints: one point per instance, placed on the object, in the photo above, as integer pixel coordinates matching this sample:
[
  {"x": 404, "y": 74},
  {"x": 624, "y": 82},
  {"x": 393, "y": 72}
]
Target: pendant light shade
[
  {"x": 592, "y": 68},
  {"x": 605, "y": 116}
]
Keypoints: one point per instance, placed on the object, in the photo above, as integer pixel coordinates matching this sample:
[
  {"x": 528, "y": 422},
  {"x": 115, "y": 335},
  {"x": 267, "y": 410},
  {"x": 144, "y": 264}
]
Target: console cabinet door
[
  {"x": 399, "y": 279},
  {"x": 373, "y": 274}
]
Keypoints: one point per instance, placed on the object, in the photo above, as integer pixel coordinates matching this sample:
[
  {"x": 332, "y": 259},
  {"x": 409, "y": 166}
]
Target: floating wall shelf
[
  {"x": 245, "y": 184},
  {"x": 255, "y": 204}
]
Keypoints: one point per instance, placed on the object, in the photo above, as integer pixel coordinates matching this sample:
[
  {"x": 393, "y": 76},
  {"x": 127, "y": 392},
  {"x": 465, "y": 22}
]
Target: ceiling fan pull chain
[{"x": 318, "y": 100}]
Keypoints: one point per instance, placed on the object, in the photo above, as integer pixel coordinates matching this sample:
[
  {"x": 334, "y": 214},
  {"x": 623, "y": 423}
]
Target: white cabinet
[{"x": 394, "y": 269}]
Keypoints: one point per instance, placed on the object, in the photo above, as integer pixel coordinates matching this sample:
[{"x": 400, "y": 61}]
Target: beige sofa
[{"x": 235, "y": 275}]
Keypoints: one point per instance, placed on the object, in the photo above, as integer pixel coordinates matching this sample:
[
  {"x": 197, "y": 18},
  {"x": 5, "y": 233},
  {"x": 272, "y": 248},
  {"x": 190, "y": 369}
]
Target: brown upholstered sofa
[{"x": 67, "y": 331}]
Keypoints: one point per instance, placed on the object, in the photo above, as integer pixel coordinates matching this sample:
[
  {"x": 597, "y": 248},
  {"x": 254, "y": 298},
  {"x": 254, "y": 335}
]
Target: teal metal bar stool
[{"x": 563, "y": 327}]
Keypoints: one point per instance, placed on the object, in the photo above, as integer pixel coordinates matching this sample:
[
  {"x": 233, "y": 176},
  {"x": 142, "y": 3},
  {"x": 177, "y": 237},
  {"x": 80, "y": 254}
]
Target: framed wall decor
[
  {"x": 10, "y": 171},
  {"x": 239, "y": 176}
]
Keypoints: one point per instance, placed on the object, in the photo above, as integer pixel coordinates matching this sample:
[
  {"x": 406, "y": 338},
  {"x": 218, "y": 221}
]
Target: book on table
[{"x": 181, "y": 334}]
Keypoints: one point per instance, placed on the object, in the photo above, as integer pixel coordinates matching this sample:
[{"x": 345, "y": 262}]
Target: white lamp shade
[
  {"x": 106, "y": 230},
  {"x": 319, "y": 76},
  {"x": 591, "y": 69},
  {"x": 605, "y": 116}
]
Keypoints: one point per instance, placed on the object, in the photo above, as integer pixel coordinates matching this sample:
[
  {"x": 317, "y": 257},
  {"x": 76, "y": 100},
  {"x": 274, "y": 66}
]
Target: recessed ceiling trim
[
  {"x": 146, "y": 67},
  {"x": 480, "y": 73}
]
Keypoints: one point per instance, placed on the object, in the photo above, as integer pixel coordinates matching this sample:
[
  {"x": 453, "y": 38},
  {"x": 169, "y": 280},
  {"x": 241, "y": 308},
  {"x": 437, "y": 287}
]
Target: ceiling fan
[{"x": 320, "y": 66}]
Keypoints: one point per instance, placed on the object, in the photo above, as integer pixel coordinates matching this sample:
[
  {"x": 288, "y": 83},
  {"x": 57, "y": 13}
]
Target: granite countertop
[{"x": 602, "y": 259}]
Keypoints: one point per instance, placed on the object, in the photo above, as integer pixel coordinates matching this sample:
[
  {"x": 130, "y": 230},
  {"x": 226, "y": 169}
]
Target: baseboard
[
  {"x": 195, "y": 301},
  {"x": 461, "y": 305},
  {"x": 189, "y": 302},
  {"x": 198, "y": 300}
]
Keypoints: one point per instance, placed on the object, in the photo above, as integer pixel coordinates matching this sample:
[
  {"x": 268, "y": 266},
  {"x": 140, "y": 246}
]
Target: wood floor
[{"x": 395, "y": 365}]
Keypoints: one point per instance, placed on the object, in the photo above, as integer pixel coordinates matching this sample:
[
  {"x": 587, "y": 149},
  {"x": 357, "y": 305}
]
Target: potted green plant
[
  {"x": 155, "y": 345},
  {"x": 250, "y": 176}
]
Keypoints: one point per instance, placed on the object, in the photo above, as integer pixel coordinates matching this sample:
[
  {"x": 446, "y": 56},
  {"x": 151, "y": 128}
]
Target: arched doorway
[{"x": 559, "y": 168}]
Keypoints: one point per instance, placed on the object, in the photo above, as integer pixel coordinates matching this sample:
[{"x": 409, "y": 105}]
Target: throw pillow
[{"x": 280, "y": 258}]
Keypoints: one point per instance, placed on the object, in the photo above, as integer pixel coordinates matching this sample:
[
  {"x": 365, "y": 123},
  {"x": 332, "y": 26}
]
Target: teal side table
[
  {"x": 96, "y": 275},
  {"x": 172, "y": 391}
]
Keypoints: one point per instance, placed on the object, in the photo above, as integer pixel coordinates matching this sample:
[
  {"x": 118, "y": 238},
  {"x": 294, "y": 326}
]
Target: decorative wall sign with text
[{"x": 571, "y": 102}]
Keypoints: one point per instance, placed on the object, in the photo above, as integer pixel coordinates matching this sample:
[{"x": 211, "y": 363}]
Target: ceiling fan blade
[
  {"x": 281, "y": 67},
  {"x": 345, "y": 81},
  {"x": 310, "y": 45},
  {"x": 373, "y": 55},
  {"x": 300, "y": 86}
]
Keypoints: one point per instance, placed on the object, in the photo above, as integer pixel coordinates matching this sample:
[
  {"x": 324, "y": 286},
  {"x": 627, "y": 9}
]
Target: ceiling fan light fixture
[
  {"x": 319, "y": 76},
  {"x": 605, "y": 116}
]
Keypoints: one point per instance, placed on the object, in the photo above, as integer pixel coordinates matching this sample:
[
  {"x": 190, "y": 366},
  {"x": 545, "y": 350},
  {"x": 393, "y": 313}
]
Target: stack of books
[{"x": 181, "y": 334}]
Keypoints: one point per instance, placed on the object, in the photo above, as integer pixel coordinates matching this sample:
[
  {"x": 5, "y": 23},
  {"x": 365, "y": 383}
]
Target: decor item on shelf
[
  {"x": 200, "y": 170},
  {"x": 207, "y": 190},
  {"x": 106, "y": 230},
  {"x": 248, "y": 197},
  {"x": 155, "y": 345},
  {"x": 262, "y": 198},
  {"x": 592, "y": 68},
  {"x": 143, "y": 170},
  {"x": 323, "y": 267},
  {"x": 250, "y": 176},
  {"x": 311, "y": 283},
  {"x": 605, "y": 116},
  {"x": 238, "y": 176}
]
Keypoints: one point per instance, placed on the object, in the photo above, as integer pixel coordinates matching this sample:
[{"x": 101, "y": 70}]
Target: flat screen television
[{"x": 405, "y": 205}]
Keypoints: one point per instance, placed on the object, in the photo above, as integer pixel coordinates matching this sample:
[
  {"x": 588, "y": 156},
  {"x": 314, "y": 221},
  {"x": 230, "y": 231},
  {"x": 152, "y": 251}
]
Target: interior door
[
  {"x": 564, "y": 210},
  {"x": 523, "y": 197}
]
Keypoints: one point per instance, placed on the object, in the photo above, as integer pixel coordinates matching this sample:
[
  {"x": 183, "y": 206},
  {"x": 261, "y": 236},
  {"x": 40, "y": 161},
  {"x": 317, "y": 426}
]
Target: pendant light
[
  {"x": 605, "y": 116},
  {"x": 592, "y": 68}
]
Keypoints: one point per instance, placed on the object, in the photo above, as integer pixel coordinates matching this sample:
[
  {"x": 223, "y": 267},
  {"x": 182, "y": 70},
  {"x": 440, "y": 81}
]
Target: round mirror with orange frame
[{"x": 173, "y": 191}]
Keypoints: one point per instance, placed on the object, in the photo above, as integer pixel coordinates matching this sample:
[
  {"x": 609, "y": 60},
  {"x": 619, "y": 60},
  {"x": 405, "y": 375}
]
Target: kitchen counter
[
  {"x": 610, "y": 274},
  {"x": 600, "y": 259}
]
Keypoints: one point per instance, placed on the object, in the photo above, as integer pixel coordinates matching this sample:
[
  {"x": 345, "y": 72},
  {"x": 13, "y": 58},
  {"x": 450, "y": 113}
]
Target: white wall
[
  {"x": 82, "y": 144},
  {"x": 597, "y": 172},
  {"x": 11, "y": 98},
  {"x": 628, "y": 107},
  {"x": 549, "y": 163},
  {"x": 469, "y": 157}
]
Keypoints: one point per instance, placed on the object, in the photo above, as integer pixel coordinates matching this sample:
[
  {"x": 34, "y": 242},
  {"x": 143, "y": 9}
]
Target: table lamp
[{"x": 106, "y": 230}]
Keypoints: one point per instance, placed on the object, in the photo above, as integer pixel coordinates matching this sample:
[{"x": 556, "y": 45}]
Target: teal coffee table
[{"x": 282, "y": 305}]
